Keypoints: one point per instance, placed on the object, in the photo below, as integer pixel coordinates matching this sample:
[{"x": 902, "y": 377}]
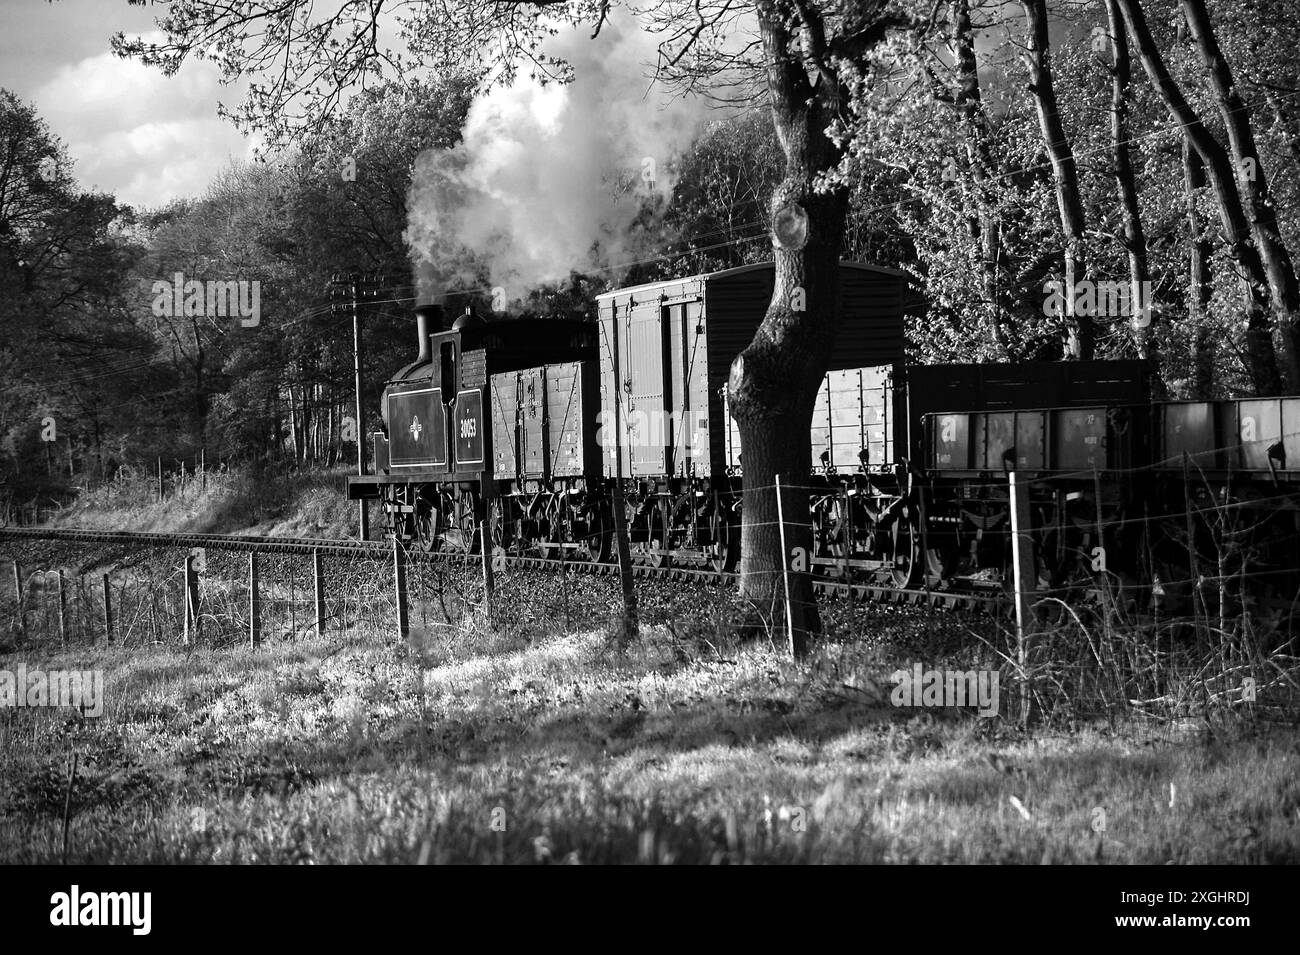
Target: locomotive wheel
[
  {"x": 395, "y": 524},
  {"x": 907, "y": 552},
  {"x": 426, "y": 530},
  {"x": 462, "y": 529}
]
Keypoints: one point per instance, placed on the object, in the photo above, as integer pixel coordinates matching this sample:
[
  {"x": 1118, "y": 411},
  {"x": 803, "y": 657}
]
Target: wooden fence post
[
  {"x": 785, "y": 569},
  {"x": 399, "y": 588},
  {"x": 1025, "y": 570},
  {"x": 624, "y": 549},
  {"x": 318, "y": 581},
  {"x": 108, "y": 610},
  {"x": 488, "y": 582},
  {"x": 1192, "y": 563},
  {"x": 191, "y": 600},
  {"x": 564, "y": 586},
  {"x": 254, "y": 602},
  {"x": 63, "y": 610},
  {"x": 160, "y": 480}
]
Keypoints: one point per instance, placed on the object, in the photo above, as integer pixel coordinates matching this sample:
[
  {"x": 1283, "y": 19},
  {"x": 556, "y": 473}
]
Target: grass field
[
  {"x": 528, "y": 740},
  {"x": 468, "y": 746}
]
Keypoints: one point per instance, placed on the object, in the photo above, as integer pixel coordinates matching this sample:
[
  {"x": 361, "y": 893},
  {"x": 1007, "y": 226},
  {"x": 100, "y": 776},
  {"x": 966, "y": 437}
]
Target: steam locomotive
[{"x": 528, "y": 424}]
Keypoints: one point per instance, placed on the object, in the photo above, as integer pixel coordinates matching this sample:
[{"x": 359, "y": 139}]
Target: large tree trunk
[
  {"x": 1260, "y": 354},
  {"x": 774, "y": 381},
  {"x": 983, "y": 226},
  {"x": 1198, "y": 279},
  {"x": 1283, "y": 290},
  {"x": 1081, "y": 335},
  {"x": 1135, "y": 240}
]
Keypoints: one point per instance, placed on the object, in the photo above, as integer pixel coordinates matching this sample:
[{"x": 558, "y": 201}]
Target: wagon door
[
  {"x": 688, "y": 405},
  {"x": 648, "y": 429},
  {"x": 565, "y": 413},
  {"x": 532, "y": 422},
  {"x": 505, "y": 426}
]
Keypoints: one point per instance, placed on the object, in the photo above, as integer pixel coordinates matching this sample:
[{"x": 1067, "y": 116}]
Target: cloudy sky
[{"x": 130, "y": 130}]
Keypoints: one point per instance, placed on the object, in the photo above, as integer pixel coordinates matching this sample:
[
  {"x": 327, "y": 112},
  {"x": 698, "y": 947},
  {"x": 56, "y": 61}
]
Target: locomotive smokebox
[{"x": 428, "y": 319}]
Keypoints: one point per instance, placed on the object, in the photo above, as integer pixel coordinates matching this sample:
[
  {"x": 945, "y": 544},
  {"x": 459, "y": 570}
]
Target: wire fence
[
  {"x": 218, "y": 600},
  {"x": 1117, "y": 635}
]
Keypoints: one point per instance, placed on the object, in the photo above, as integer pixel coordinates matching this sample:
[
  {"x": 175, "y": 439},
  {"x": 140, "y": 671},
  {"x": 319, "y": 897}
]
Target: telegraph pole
[{"x": 364, "y": 515}]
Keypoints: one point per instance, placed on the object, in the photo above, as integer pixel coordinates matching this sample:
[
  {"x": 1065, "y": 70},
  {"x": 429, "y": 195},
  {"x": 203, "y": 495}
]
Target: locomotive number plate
[{"x": 469, "y": 427}]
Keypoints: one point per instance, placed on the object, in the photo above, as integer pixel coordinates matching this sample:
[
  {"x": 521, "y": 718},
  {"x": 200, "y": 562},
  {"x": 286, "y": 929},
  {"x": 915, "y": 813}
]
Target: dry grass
[
  {"x": 246, "y": 500},
  {"x": 467, "y": 745}
]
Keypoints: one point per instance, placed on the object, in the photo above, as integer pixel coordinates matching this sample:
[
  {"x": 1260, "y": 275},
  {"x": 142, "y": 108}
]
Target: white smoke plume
[{"x": 548, "y": 180}]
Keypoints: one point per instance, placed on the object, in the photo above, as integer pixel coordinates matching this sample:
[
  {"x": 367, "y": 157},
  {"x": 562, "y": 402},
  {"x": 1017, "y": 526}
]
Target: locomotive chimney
[{"x": 428, "y": 318}]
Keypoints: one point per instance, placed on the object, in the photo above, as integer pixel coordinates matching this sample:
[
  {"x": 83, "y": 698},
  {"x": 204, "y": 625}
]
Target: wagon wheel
[
  {"x": 837, "y": 541},
  {"x": 724, "y": 534},
  {"x": 498, "y": 529},
  {"x": 658, "y": 539},
  {"x": 1073, "y": 586},
  {"x": 551, "y": 532},
  {"x": 905, "y": 571},
  {"x": 599, "y": 536},
  {"x": 942, "y": 557}
]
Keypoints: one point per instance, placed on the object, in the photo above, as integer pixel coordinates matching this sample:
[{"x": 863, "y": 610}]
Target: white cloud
[{"x": 133, "y": 132}]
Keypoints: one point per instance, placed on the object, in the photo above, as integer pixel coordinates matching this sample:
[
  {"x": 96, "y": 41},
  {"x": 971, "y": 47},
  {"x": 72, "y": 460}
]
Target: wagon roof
[{"x": 737, "y": 270}]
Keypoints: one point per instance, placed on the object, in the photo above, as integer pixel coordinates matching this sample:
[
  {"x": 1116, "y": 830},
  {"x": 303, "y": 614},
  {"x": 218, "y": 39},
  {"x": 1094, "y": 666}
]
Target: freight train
[{"x": 528, "y": 424}]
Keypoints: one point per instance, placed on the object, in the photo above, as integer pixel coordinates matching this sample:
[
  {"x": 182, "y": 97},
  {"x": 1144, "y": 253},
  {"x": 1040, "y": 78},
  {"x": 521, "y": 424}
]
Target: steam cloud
[{"x": 549, "y": 180}]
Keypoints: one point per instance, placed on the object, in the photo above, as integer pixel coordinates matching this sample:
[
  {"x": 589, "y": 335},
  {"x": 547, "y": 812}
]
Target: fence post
[
  {"x": 1025, "y": 570},
  {"x": 108, "y": 610},
  {"x": 922, "y": 520},
  {"x": 160, "y": 480},
  {"x": 254, "y": 602},
  {"x": 488, "y": 582},
  {"x": 624, "y": 550},
  {"x": 18, "y": 591},
  {"x": 1192, "y": 563},
  {"x": 63, "y": 611},
  {"x": 785, "y": 568},
  {"x": 318, "y": 582},
  {"x": 399, "y": 588},
  {"x": 564, "y": 587},
  {"x": 191, "y": 600},
  {"x": 203, "y": 468}
]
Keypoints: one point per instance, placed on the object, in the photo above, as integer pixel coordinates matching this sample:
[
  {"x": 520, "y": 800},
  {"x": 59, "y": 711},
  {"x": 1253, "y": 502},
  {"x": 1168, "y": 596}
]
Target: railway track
[{"x": 850, "y": 590}]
